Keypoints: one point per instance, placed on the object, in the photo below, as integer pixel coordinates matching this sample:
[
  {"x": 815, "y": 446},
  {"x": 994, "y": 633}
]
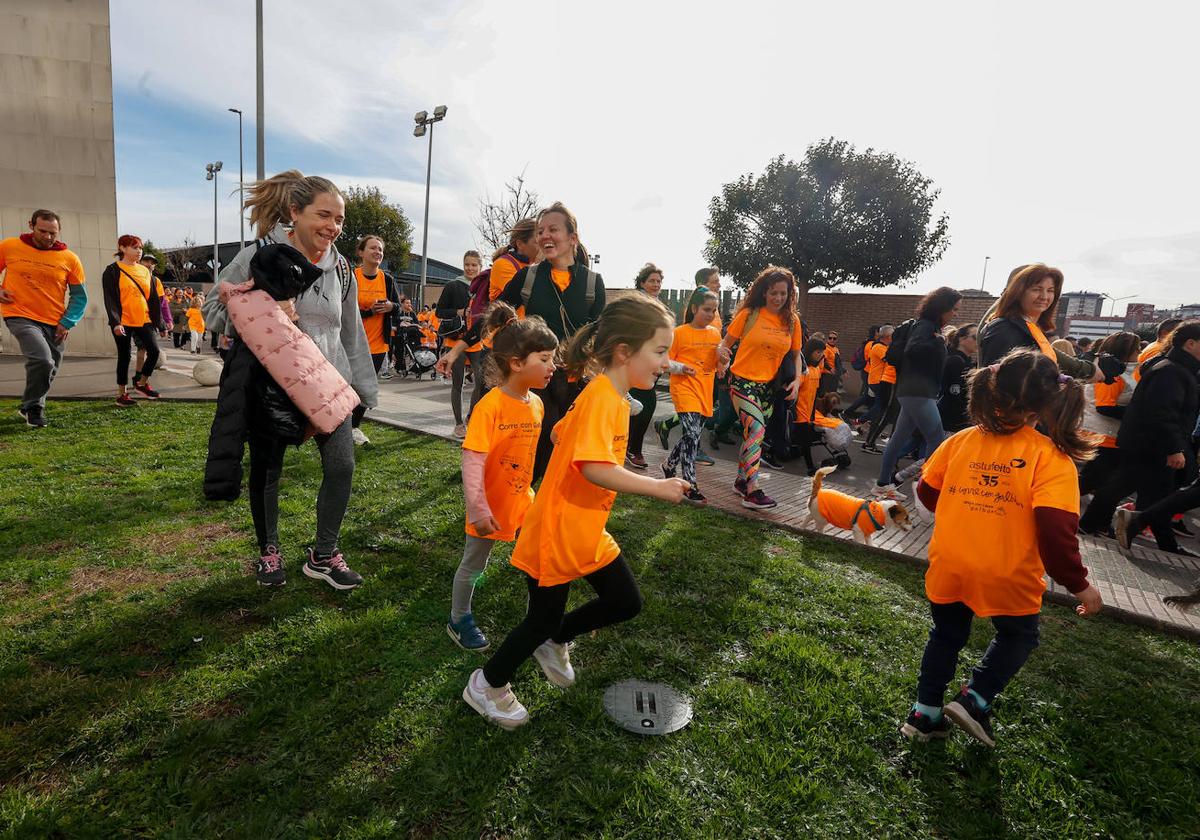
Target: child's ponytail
[
  {"x": 1061, "y": 419},
  {"x": 630, "y": 321},
  {"x": 577, "y": 352}
]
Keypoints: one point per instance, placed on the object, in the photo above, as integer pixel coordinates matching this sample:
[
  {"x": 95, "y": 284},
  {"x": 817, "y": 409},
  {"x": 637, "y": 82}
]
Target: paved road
[{"x": 1131, "y": 586}]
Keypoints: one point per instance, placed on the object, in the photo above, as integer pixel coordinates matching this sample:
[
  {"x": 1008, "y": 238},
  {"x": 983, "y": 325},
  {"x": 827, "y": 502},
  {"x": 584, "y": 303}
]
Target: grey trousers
[{"x": 42, "y": 355}]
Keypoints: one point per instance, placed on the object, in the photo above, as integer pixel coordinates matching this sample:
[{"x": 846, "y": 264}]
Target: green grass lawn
[{"x": 148, "y": 686}]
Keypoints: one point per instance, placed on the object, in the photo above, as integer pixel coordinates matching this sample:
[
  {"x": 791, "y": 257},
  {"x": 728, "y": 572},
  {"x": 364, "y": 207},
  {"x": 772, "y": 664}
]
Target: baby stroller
[
  {"x": 411, "y": 357},
  {"x": 835, "y": 437}
]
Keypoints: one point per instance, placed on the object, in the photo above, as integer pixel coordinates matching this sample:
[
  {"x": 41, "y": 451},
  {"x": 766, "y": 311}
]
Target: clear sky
[{"x": 1059, "y": 132}]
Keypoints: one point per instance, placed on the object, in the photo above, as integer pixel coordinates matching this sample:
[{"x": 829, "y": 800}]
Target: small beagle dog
[{"x": 863, "y": 517}]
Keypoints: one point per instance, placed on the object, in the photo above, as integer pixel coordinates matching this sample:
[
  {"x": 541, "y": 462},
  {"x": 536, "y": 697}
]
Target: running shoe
[
  {"x": 635, "y": 406},
  {"x": 922, "y": 728},
  {"x": 466, "y": 634},
  {"x": 35, "y": 416},
  {"x": 460, "y": 431},
  {"x": 872, "y": 448},
  {"x": 770, "y": 460},
  {"x": 498, "y": 705},
  {"x": 664, "y": 433},
  {"x": 269, "y": 568},
  {"x": 1124, "y": 530},
  {"x": 667, "y": 471},
  {"x": 887, "y": 492},
  {"x": 693, "y": 496},
  {"x": 555, "y": 660},
  {"x": 704, "y": 458},
  {"x": 911, "y": 471},
  {"x": 635, "y": 461},
  {"x": 758, "y": 500},
  {"x": 146, "y": 391},
  {"x": 966, "y": 713},
  {"x": 739, "y": 487},
  {"x": 333, "y": 570},
  {"x": 360, "y": 437},
  {"x": 1180, "y": 527},
  {"x": 125, "y": 401}
]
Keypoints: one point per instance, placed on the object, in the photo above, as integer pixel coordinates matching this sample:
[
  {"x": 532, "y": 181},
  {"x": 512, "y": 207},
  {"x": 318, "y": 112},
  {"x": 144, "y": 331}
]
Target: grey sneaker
[
  {"x": 555, "y": 660},
  {"x": 498, "y": 705}
]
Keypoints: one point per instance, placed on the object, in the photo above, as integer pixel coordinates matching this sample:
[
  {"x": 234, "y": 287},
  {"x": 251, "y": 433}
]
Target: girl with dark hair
[
  {"x": 918, "y": 381},
  {"x": 766, "y": 328},
  {"x": 962, "y": 344},
  {"x": 1006, "y": 505},
  {"x": 498, "y": 453},
  {"x": 1106, "y": 406},
  {"x": 810, "y": 385},
  {"x": 132, "y": 299},
  {"x": 564, "y": 537}
]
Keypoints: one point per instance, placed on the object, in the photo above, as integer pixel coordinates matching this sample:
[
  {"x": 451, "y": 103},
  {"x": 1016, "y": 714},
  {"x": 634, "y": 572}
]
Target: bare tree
[
  {"x": 184, "y": 261},
  {"x": 496, "y": 218}
]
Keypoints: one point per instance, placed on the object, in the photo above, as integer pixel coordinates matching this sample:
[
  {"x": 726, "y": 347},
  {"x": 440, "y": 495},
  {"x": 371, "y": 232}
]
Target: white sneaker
[
  {"x": 498, "y": 705},
  {"x": 556, "y": 663},
  {"x": 460, "y": 431},
  {"x": 360, "y": 437},
  {"x": 887, "y": 492},
  {"x": 635, "y": 406}
]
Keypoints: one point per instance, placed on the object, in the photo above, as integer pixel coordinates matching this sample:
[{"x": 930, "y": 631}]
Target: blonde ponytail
[{"x": 272, "y": 200}]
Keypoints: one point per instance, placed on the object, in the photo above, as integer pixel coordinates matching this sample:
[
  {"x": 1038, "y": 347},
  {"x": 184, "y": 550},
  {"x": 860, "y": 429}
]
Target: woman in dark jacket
[
  {"x": 918, "y": 381},
  {"x": 961, "y": 346}
]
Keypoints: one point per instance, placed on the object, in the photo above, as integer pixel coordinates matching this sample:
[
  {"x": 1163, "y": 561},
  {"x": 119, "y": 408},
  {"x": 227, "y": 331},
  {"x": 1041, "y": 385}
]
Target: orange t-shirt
[
  {"x": 1042, "y": 341},
  {"x": 503, "y": 271},
  {"x": 697, "y": 348},
  {"x": 845, "y": 512},
  {"x": 195, "y": 319},
  {"x": 824, "y": 422},
  {"x": 810, "y": 380},
  {"x": 38, "y": 281},
  {"x": 760, "y": 353},
  {"x": 506, "y": 430},
  {"x": 1107, "y": 396},
  {"x": 1153, "y": 349},
  {"x": 561, "y": 278},
  {"x": 879, "y": 370},
  {"x": 831, "y": 355},
  {"x": 564, "y": 537},
  {"x": 984, "y": 550},
  {"x": 370, "y": 290},
  {"x": 133, "y": 283}
]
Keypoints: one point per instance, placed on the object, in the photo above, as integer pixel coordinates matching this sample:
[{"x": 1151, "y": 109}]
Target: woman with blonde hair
[{"x": 307, "y": 213}]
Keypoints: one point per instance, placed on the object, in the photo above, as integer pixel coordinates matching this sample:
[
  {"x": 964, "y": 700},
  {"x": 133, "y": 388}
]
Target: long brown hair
[
  {"x": 1001, "y": 397},
  {"x": 271, "y": 200},
  {"x": 1021, "y": 278},
  {"x": 1124, "y": 345},
  {"x": 631, "y": 320},
  {"x": 756, "y": 298},
  {"x": 522, "y": 231}
]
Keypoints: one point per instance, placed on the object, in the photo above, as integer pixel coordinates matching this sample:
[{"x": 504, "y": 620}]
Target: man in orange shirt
[{"x": 38, "y": 271}]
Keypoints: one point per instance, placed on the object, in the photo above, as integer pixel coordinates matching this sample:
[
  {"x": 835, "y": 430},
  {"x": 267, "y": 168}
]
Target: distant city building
[
  {"x": 1077, "y": 305},
  {"x": 1093, "y": 327},
  {"x": 1138, "y": 315}
]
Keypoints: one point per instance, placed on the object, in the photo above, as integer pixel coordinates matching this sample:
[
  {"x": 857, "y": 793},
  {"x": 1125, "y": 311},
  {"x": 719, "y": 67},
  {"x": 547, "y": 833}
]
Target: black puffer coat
[{"x": 249, "y": 401}]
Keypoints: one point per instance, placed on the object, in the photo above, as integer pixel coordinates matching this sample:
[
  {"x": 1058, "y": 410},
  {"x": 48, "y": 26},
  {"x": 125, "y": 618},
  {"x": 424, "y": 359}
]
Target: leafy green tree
[
  {"x": 838, "y": 216},
  {"x": 150, "y": 249},
  {"x": 368, "y": 211}
]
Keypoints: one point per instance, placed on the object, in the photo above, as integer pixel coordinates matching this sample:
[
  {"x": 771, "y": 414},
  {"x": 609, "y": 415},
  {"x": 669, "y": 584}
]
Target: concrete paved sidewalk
[{"x": 1132, "y": 588}]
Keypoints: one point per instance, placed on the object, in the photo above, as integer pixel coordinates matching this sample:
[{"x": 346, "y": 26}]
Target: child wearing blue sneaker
[
  {"x": 1006, "y": 502},
  {"x": 498, "y": 453}
]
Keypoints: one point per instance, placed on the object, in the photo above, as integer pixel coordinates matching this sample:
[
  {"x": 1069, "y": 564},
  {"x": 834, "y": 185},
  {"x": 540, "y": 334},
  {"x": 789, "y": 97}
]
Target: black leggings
[
  {"x": 1152, "y": 480},
  {"x": 639, "y": 423},
  {"x": 1094, "y": 473},
  {"x": 149, "y": 341},
  {"x": 804, "y": 436},
  {"x": 1163, "y": 511},
  {"x": 360, "y": 410},
  {"x": 617, "y": 599}
]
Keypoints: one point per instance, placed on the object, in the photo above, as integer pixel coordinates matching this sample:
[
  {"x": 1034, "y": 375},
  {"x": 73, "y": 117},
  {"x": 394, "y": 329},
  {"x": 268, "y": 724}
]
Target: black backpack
[{"x": 895, "y": 352}]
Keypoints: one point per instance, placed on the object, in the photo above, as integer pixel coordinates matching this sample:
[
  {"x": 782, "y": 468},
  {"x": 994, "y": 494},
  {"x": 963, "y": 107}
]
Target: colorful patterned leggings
[
  {"x": 684, "y": 453},
  {"x": 753, "y": 401}
]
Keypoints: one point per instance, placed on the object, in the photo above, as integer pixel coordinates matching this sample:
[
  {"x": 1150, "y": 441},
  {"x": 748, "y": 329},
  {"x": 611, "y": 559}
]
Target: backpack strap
[
  {"x": 589, "y": 292},
  {"x": 527, "y": 288},
  {"x": 343, "y": 273}
]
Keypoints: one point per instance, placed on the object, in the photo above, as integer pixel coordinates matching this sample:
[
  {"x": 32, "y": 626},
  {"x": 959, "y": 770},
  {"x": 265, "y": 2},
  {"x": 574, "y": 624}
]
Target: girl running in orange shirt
[
  {"x": 1006, "y": 498},
  {"x": 697, "y": 345},
  {"x": 564, "y": 537},
  {"x": 498, "y": 453},
  {"x": 806, "y": 397}
]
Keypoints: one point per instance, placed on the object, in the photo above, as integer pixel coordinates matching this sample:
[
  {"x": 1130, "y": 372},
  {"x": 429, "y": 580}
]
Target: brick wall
[{"x": 851, "y": 313}]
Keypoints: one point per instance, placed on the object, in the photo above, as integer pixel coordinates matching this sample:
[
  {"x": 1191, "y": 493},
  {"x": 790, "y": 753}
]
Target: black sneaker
[
  {"x": 664, "y": 434},
  {"x": 870, "y": 447},
  {"x": 770, "y": 460},
  {"x": 333, "y": 570},
  {"x": 125, "y": 401},
  {"x": 269, "y": 568},
  {"x": 922, "y": 728},
  {"x": 1180, "y": 527},
  {"x": 693, "y": 496},
  {"x": 146, "y": 391},
  {"x": 35, "y": 416},
  {"x": 976, "y": 722},
  {"x": 667, "y": 471}
]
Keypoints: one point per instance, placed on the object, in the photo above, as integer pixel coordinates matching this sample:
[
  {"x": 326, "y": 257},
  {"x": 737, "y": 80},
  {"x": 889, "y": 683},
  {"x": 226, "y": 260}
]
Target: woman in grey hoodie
[{"x": 306, "y": 212}]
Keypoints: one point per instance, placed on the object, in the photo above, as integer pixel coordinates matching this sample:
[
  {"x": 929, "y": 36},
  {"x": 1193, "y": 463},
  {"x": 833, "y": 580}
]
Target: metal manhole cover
[{"x": 647, "y": 708}]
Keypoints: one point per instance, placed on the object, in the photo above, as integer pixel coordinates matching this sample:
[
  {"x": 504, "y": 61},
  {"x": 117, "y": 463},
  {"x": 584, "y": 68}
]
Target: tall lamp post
[
  {"x": 259, "y": 124},
  {"x": 241, "y": 178},
  {"x": 425, "y": 123},
  {"x": 1113, "y": 310},
  {"x": 984, "y": 280},
  {"x": 213, "y": 169}
]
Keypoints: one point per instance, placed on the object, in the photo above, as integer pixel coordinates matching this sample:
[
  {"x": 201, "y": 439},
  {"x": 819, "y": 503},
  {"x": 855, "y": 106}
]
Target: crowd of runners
[{"x": 1001, "y": 427}]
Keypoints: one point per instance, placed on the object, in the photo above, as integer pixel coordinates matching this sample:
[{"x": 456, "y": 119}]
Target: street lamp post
[
  {"x": 241, "y": 178},
  {"x": 984, "y": 280},
  {"x": 213, "y": 169},
  {"x": 1112, "y": 311},
  {"x": 259, "y": 124},
  {"x": 425, "y": 123}
]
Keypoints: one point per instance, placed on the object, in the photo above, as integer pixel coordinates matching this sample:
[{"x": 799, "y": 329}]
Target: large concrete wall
[{"x": 56, "y": 138}]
